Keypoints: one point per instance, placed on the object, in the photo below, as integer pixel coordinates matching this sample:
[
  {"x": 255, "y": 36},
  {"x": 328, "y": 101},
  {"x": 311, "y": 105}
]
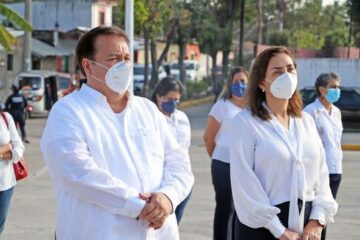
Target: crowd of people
[{"x": 122, "y": 166}]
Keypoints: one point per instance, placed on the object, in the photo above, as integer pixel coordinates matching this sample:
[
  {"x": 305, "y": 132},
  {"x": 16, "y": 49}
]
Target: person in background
[
  {"x": 166, "y": 96},
  {"x": 16, "y": 104},
  {"x": 216, "y": 139},
  {"x": 328, "y": 123},
  {"x": 279, "y": 177},
  {"x": 11, "y": 151},
  {"x": 117, "y": 171}
]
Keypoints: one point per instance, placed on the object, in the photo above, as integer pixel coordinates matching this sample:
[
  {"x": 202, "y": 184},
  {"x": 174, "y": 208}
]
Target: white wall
[
  {"x": 71, "y": 14},
  {"x": 309, "y": 69}
]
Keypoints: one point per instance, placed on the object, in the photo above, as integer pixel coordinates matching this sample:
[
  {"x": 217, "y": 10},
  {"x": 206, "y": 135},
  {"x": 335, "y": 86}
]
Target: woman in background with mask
[
  {"x": 279, "y": 178},
  {"x": 216, "y": 139},
  {"x": 328, "y": 123},
  {"x": 166, "y": 96}
]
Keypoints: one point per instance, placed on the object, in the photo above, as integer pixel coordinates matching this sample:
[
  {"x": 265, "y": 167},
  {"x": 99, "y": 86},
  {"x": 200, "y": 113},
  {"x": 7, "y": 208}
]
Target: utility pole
[
  {"x": 241, "y": 39},
  {"x": 27, "y": 37},
  {"x": 129, "y": 29}
]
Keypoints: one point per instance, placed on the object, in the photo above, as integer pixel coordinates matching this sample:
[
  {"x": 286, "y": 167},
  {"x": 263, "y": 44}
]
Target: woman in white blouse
[
  {"x": 217, "y": 139},
  {"x": 166, "y": 96},
  {"x": 328, "y": 123},
  {"x": 279, "y": 178},
  {"x": 11, "y": 150}
]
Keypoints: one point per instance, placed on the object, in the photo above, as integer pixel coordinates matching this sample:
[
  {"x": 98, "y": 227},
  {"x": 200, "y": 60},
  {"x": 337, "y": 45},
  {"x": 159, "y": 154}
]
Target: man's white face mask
[
  {"x": 117, "y": 77},
  {"x": 284, "y": 86}
]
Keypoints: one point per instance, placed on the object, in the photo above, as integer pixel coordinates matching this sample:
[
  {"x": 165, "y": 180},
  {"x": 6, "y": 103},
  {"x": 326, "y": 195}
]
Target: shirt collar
[
  {"x": 320, "y": 106},
  {"x": 99, "y": 97}
]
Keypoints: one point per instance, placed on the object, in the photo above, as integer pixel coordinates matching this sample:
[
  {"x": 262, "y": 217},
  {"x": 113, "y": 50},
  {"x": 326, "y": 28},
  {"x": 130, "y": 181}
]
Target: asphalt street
[{"x": 32, "y": 213}]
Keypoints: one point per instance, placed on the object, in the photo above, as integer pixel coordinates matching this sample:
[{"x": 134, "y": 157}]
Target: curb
[
  {"x": 350, "y": 147},
  {"x": 197, "y": 101}
]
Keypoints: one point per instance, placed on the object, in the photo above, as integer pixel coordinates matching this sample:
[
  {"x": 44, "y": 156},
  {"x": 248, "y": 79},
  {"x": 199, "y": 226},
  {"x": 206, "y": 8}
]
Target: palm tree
[{"x": 6, "y": 39}]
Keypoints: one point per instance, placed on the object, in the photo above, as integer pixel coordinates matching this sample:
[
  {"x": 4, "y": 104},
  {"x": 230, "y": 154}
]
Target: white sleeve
[
  {"x": 71, "y": 167},
  {"x": 217, "y": 110},
  {"x": 178, "y": 178},
  {"x": 188, "y": 140},
  {"x": 324, "y": 207},
  {"x": 18, "y": 146},
  {"x": 251, "y": 201}
]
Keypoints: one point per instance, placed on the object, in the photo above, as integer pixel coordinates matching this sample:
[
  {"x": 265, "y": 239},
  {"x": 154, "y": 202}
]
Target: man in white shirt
[{"x": 117, "y": 170}]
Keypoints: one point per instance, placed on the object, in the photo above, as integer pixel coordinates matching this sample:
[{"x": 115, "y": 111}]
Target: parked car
[
  {"x": 192, "y": 68},
  {"x": 139, "y": 76},
  {"x": 349, "y": 104}
]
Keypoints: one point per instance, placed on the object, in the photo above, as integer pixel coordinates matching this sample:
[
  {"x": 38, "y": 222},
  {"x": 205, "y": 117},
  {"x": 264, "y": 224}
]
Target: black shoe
[{"x": 25, "y": 140}]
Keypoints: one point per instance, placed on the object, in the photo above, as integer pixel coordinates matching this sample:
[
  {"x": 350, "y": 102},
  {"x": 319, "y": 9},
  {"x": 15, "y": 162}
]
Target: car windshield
[
  {"x": 139, "y": 70},
  {"x": 63, "y": 83},
  {"x": 349, "y": 97},
  {"x": 29, "y": 83},
  {"x": 188, "y": 66}
]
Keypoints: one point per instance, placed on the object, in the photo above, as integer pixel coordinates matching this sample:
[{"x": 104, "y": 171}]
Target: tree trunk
[
  {"x": 241, "y": 39},
  {"x": 225, "y": 64},
  {"x": 259, "y": 6},
  {"x": 155, "y": 69},
  {"x": 145, "y": 89},
  {"x": 182, "y": 52},
  {"x": 169, "y": 39},
  {"x": 182, "y": 71},
  {"x": 213, "y": 73}
]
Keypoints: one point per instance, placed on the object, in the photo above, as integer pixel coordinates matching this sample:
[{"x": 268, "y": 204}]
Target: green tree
[
  {"x": 152, "y": 20},
  {"x": 6, "y": 39},
  {"x": 354, "y": 21}
]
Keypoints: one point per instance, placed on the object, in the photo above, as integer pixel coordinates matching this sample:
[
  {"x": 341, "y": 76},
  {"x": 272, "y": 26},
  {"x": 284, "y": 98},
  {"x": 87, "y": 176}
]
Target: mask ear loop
[{"x": 99, "y": 64}]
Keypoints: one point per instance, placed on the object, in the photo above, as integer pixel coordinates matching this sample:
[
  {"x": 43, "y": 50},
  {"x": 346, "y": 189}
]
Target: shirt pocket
[{"x": 151, "y": 141}]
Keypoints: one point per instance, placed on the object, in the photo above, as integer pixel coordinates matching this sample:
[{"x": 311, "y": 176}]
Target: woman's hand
[
  {"x": 312, "y": 231},
  {"x": 290, "y": 235},
  {"x": 7, "y": 147}
]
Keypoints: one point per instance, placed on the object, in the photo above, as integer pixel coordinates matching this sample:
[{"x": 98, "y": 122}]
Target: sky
[{"x": 327, "y": 2}]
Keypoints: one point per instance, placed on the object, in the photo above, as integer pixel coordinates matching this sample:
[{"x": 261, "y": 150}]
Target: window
[
  {"x": 101, "y": 18},
  {"x": 10, "y": 62}
]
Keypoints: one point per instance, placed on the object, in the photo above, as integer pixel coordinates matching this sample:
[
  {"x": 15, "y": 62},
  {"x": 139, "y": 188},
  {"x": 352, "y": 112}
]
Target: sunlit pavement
[{"x": 32, "y": 213}]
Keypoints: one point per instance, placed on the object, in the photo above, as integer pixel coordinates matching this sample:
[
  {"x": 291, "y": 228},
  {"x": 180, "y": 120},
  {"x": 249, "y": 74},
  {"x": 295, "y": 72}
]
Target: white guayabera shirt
[
  {"x": 180, "y": 126},
  {"x": 330, "y": 128},
  {"x": 100, "y": 161},
  {"x": 272, "y": 165}
]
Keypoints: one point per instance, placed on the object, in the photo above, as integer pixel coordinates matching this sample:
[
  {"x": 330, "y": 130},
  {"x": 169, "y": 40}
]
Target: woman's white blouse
[
  {"x": 9, "y": 134},
  {"x": 330, "y": 128},
  {"x": 223, "y": 111},
  {"x": 180, "y": 127},
  {"x": 265, "y": 172}
]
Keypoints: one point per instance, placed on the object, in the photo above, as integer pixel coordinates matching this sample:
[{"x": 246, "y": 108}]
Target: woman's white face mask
[
  {"x": 284, "y": 86},
  {"x": 117, "y": 77}
]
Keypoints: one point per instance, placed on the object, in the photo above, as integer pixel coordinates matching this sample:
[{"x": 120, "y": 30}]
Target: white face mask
[
  {"x": 284, "y": 86},
  {"x": 117, "y": 77}
]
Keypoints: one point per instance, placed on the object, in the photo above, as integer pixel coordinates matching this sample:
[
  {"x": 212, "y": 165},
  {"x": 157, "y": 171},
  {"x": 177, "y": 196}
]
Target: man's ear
[{"x": 86, "y": 66}]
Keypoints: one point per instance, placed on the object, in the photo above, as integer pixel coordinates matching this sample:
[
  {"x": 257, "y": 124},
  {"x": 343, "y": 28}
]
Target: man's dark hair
[{"x": 86, "y": 45}]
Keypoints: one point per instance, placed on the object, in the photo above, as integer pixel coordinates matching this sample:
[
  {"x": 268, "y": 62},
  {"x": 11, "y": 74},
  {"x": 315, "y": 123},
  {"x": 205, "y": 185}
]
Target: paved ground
[{"x": 32, "y": 214}]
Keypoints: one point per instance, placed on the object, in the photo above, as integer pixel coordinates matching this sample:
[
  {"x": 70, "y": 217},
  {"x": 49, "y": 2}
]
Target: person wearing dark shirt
[{"x": 15, "y": 104}]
